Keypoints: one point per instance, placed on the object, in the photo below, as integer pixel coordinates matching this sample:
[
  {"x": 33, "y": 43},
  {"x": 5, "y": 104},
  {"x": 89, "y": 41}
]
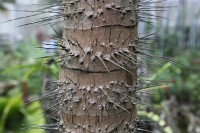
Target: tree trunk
[{"x": 97, "y": 80}]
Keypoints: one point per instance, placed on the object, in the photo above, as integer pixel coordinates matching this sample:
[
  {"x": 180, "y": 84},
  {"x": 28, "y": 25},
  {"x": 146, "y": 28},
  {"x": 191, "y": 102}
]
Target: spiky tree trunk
[{"x": 98, "y": 68}]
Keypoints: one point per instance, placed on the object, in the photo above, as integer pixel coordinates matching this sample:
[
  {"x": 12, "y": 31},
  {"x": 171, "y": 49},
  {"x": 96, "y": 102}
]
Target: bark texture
[{"x": 99, "y": 67}]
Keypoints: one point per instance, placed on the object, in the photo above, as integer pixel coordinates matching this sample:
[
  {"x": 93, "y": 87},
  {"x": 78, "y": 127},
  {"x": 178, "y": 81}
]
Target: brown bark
[{"x": 98, "y": 69}]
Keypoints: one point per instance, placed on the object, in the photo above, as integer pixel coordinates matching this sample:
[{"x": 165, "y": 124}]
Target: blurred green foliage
[
  {"x": 22, "y": 65},
  {"x": 168, "y": 44},
  {"x": 25, "y": 65},
  {"x": 14, "y": 116},
  {"x": 184, "y": 77}
]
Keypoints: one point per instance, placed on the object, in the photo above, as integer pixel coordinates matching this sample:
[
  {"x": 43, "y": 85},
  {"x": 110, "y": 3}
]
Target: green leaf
[
  {"x": 160, "y": 71},
  {"x": 12, "y": 105},
  {"x": 155, "y": 88}
]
